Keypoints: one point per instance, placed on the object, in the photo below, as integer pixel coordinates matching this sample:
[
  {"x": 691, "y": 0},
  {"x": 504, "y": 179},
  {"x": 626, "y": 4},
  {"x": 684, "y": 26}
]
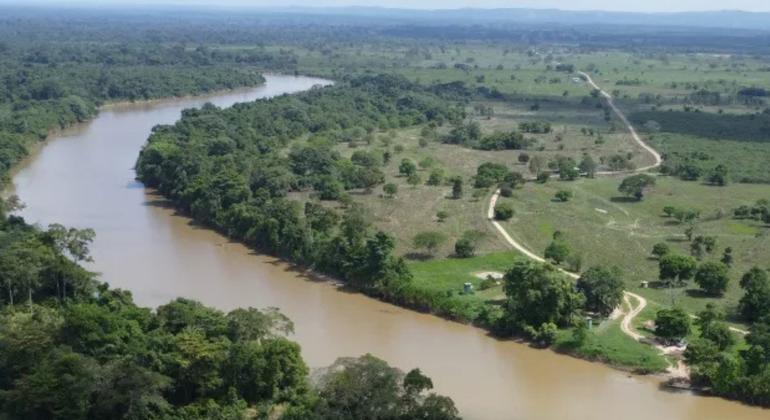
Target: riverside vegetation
[{"x": 73, "y": 348}]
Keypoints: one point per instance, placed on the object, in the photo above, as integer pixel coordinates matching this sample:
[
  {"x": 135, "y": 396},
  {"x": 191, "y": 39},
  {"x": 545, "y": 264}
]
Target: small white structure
[
  {"x": 468, "y": 288},
  {"x": 645, "y": 284}
]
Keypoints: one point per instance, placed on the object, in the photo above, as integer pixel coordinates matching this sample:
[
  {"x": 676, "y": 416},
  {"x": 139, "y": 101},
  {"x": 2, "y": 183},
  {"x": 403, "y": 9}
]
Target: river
[{"x": 84, "y": 177}]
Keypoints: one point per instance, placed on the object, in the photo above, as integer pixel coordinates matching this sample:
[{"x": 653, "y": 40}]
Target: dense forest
[
  {"x": 739, "y": 127},
  {"x": 73, "y": 348},
  {"x": 46, "y": 86}
]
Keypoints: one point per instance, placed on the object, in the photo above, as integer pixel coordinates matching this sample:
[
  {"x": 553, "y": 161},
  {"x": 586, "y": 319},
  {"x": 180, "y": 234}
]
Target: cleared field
[
  {"x": 605, "y": 228},
  {"x": 414, "y": 208}
]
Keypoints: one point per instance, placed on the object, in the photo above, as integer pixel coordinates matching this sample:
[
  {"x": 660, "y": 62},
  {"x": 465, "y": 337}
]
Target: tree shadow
[
  {"x": 496, "y": 302},
  {"x": 657, "y": 284},
  {"x": 418, "y": 256},
  {"x": 677, "y": 239},
  {"x": 698, "y": 293},
  {"x": 623, "y": 199},
  {"x": 161, "y": 203}
]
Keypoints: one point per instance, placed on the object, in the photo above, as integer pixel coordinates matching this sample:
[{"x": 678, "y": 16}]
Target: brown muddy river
[{"x": 84, "y": 178}]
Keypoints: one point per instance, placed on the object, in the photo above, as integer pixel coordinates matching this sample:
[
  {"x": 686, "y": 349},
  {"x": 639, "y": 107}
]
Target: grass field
[
  {"x": 414, "y": 208},
  {"x": 604, "y": 228},
  {"x": 744, "y": 160},
  {"x": 607, "y": 343}
]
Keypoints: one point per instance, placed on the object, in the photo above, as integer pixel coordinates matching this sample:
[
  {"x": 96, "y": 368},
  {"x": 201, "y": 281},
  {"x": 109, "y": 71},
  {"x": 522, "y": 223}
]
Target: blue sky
[{"x": 624, "y": 5}]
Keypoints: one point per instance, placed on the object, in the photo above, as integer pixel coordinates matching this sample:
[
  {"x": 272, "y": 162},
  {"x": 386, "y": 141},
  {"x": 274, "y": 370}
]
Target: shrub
[
  {"x": 390, "y": 190},
  {"x": 429, "y": 241},
  {"x": 557, "y": 251},
  {"x": 504, "y": 211},
  {"x": 563, "y": 196},
  {"x": 465, "y": 248},
  {"x": 660, "y": 249}
]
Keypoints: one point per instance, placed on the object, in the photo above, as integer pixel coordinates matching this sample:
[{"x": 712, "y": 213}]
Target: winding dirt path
[
  {"x": 625, "y": 324},
  {"x": 678, "y": 370},
  {"x": 611, "y": 102}
]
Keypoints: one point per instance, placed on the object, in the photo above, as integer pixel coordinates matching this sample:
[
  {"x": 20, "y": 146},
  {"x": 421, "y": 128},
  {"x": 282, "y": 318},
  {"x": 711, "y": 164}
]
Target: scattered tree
[
  {"x": 407, "y": 167},
  {"x": 557, "y": 251},
  {"x": 676, "y": 269},
  {"x": 588, "y": 166},
  {"x": 660, "y": 249},
  {"x": 390, "y": 190},
  {"x": 429, "y": 241},
  {"x": 503, "y": 211},
  {"x": 636, "y": 185},
  {"x": 457, "y": 188},
  {"x": 563, "y": 196},
  {"x": 712, "y": 277}
]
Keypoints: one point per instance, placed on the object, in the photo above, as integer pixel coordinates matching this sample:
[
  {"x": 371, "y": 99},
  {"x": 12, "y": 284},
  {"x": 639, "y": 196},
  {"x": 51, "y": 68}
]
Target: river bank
[{"x": 147, "y": 247}]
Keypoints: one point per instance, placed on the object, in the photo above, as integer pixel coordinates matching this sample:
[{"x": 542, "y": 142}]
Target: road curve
[
  {"x": 611, "y": 102},
  {"x": 633, "y": 311},
  {"x": 679, "y": 370}
]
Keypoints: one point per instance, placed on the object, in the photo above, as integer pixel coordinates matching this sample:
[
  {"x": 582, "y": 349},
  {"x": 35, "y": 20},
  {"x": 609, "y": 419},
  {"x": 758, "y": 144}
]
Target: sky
[{"x": 613, "y": 5}]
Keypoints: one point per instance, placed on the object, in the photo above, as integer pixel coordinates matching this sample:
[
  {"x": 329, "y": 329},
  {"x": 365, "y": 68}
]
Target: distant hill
[{"x": 717, "y": 19}]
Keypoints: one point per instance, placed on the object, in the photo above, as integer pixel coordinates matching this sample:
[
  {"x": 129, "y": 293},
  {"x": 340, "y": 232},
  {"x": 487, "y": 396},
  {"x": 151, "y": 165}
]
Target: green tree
[
  {"x": 660, "y": 249},
  {"x": 504, "y": 211},
  {"x": 390, "y": 190},
  {"x": 672, "y": 324},
  {"x": 457, "y": 188},
  {"x": 367, "y": 388},
  {"x": 636, "y": 185},
  {"x": 20, "y": 266},
  {"x": 414, "y": 179},
  {"x": 488, "y": 174},
  {"x": 727, "y": 257},
  {"x": 588, "y": 166},
  {"x": 557, "y": 251},
  {"x": 676, "y": 269},
  {"x": 436, "y": 177},
  {"x": 718, "y": 175},
  {"x": 60, "y": 385},
  {"x": 563, "y": 196},
  {"x": 537, "y": 294},
  {"x": 407, "y": 167},
  {"x": 755, "y": 302},
  {"x": 429, "y": 241},
  {"x": 602, "y": 288},
  {"x": 713, "y": 328},
  {"x": 712, "y": 277},
  {"x": 465, "y": 248},
  {"x": 537, "y": 164},
  {"x": 568, "y": 169}
]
